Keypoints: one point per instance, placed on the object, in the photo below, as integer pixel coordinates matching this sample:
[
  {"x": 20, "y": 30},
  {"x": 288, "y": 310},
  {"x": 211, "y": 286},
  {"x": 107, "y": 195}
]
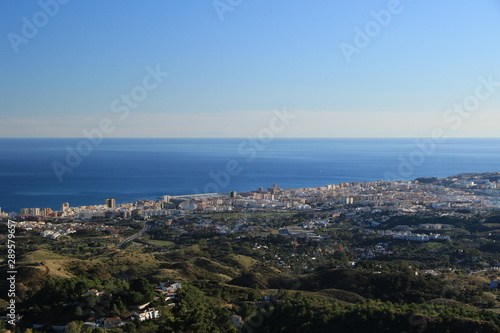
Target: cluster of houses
[
  {"x": 141, "y": 312},
  {"x": 52, "y": 234},
  {"x": 54, "y": 231},
  {"x": 408, "y": 235}
]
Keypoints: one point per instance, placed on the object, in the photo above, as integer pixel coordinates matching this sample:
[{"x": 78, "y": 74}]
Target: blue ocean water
[{"x": 134, "y": 169}]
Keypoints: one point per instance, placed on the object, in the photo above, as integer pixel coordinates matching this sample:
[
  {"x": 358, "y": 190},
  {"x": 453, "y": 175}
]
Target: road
[{"x": 146, "y": 226}]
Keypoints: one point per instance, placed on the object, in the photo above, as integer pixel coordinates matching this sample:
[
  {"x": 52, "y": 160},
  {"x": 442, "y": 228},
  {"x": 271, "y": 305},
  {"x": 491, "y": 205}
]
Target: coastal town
[
  {"x": 240, "y": 248},
  {"x": 368, "y": 204},
  {"x": 467, "y": 191}
]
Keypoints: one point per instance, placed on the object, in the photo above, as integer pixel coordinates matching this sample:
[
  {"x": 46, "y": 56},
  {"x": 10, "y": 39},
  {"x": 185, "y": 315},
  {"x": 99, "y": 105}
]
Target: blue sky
[{"x": 225, "y": 77}]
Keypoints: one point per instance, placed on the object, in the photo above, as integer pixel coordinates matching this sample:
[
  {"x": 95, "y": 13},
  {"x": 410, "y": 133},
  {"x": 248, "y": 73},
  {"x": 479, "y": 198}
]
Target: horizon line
[{"x": 276, "y": 138}]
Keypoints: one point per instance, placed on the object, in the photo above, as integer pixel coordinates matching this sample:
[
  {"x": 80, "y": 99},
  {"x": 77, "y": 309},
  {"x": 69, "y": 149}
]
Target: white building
[{"x": 147, "y": 314}]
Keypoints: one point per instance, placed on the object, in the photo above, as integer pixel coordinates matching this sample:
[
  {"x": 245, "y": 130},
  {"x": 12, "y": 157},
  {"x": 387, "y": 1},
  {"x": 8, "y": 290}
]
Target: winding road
[{"x": 146, "y": 226}]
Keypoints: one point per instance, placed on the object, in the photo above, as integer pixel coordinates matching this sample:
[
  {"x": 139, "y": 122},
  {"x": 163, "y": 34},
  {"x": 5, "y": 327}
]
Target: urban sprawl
[{"x": 360, "y": 201}]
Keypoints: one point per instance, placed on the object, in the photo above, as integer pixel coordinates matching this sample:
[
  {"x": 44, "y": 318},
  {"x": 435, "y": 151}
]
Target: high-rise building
[
  {"x": 47, "y": 212},
  {"x": 64, "y": 206},
  {"x": 30, "y": 211},
  {"x": 111, "y": 203}
]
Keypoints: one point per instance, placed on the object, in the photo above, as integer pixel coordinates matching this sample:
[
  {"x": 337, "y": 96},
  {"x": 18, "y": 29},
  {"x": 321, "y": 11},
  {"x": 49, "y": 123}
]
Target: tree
[
  {"x": 143, "y": 287},
  {"x": 195, "y": 313},
  {"x": 78, "y": 311},
  {"x": 91, "y": 301},
  {"x": 248, "y": 310},
  {"x": 74, "y": 327},
  {"x": 130, "y": 327}
]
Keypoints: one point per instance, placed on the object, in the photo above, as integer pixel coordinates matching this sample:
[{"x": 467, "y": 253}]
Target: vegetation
[{"x": 266, "y": 281}]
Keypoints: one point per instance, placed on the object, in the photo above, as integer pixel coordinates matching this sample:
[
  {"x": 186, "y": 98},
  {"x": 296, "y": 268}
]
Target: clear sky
[{"x": 230, "y": 63}]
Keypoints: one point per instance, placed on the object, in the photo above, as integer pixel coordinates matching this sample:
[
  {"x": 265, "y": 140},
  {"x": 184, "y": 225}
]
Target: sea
[{"x": 48, "y": 172}]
